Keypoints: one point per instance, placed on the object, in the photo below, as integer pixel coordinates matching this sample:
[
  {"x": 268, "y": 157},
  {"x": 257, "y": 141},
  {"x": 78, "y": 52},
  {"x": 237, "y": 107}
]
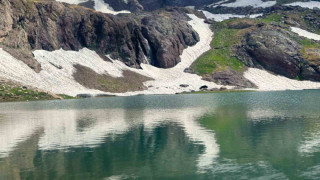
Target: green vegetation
[
  {"x": 272, "y": 18},
  {"x": 219, "y": 57},
  {"x": 14, "y": 93},
  {"x": 307, "y": 46},
  {"x": 228, "y": 34}
]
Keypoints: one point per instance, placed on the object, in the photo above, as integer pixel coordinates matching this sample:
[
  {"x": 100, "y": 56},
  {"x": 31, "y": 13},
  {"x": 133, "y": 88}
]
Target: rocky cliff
[{"x": 157, "y": 37}]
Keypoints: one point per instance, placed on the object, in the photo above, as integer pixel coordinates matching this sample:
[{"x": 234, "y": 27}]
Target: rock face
[
  {"x": 167, "y": 40},
  {"x": 273, "y": 49},
  {"x": 29, "y": 25}
]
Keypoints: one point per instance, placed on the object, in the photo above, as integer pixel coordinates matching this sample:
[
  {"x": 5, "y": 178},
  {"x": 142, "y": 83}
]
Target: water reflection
[
  {"x": 67, "y": 129},
  {"x": 255, "y": 135}
]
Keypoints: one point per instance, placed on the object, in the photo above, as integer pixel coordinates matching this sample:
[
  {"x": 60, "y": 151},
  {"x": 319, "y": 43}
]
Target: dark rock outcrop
[
  {"x": 167, "y": 40},
  {"x": 273, "y": 50}
]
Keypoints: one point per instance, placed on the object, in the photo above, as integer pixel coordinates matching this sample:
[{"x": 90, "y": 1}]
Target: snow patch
[
  {"x": 269, "y": 82},
  {"x": 253, "y": 3},
  {"x": 222, "y": 17},
  {"x": 73, "y": 1},
  {"x": 218, "y": 3},
  {"x": 310, "y": 4},
  {"x": 305, "y": 33},
  {"x": 99, "y": 5},
  {"x": 51, "y": 78},
  {"x": 61, "y": 81},
  {"x": 168, "y": 81}
]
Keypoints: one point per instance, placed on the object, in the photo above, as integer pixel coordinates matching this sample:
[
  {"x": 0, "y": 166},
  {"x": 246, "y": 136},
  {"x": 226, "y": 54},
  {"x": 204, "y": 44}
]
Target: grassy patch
[
  {"x": 276, "y": 17},
  {"x": 14, "y": 93},
  {"x": 219, "y": 57},
  {"x": 229, "y": 33},
  {"x": 306, "y": 44}
]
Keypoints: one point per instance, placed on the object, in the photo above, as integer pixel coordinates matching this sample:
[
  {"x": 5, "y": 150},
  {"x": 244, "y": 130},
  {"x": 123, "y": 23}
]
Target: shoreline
[{"x": 183, "y": 93}]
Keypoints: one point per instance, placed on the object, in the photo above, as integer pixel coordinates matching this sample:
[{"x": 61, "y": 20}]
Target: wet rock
[
  {"x": 204, "y": 87},
  {"x": 189, "y": 70},
  {"x": 184, "y": 85}
]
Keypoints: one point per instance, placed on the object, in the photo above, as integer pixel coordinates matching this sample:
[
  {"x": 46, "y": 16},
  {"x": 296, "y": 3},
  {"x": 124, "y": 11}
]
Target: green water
[{"x": 250, "y": 135}]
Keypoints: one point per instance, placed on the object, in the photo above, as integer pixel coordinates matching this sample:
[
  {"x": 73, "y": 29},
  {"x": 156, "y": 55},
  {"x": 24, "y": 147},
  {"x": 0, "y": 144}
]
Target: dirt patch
[{"x": 130, "y": 81}]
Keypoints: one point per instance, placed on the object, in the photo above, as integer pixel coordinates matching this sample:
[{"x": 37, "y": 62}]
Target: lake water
[{"x": 251, "y": 135}]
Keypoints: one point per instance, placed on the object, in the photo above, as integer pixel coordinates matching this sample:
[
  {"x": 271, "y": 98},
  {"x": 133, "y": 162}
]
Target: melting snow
[
  {"x": 99, "y": 5},
  {"x": 222, "y": 17},
  {"x": 168, "y": 81},
  {"x": 305, "y": 33},
  {"x": 310, "y": 4},
  {"x": 253, "y": 3},
  {"x": 61, "y": 81},
  {"x": 269, "y": 82}
]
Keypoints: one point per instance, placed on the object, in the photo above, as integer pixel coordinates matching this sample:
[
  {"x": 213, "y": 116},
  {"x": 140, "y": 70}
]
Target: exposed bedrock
[
  {"x": 275, "y": 51},
  {"x": 167, "y": 36},
  {"x": 157, "y": 37}
]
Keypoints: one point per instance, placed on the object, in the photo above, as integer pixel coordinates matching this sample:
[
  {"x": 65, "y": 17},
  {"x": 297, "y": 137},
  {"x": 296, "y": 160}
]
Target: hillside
[{"x": 108, "y": 48}]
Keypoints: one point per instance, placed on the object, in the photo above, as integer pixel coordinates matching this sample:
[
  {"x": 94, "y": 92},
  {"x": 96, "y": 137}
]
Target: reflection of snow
[
  {"x": 311, "y": 173},
  {"x": 63, "y": 129},
  {"x": 14, "y": 130},
  {"x": 311, "y": 144},
  {"x": 305, "y": 33},
  {"x": 186, "y": 118}
]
